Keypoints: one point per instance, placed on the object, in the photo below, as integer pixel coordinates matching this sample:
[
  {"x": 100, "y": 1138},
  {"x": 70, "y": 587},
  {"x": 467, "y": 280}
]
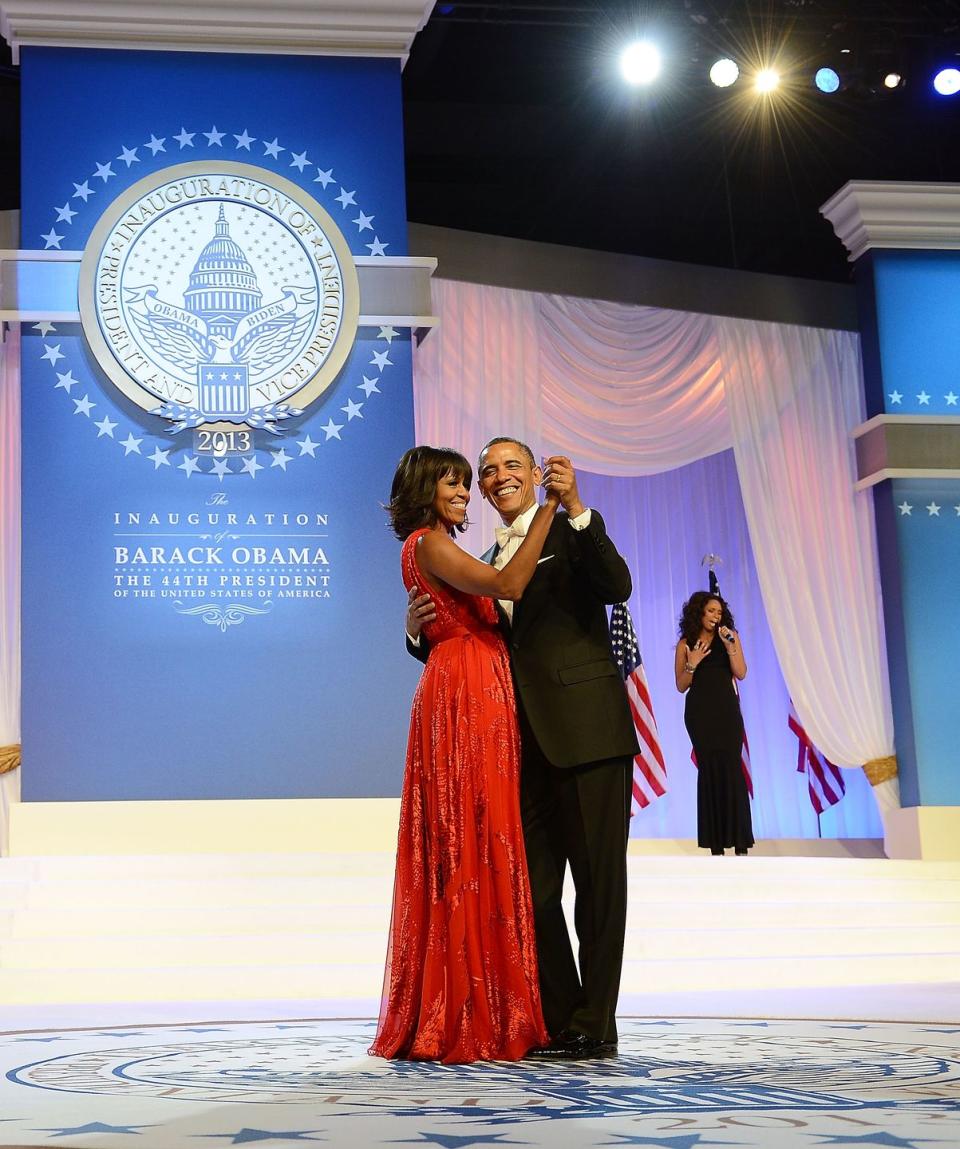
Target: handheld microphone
[{"x": 728, "y": 637}]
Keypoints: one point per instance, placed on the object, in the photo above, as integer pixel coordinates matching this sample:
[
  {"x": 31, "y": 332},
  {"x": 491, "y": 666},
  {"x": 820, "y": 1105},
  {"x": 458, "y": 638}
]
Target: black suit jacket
[{"x": 565, "y": 675}]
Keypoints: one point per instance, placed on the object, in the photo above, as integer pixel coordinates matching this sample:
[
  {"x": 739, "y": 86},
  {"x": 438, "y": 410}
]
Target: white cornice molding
[
  {"x": 301, "y": 27},
  {"x": 912, "y": 216}
]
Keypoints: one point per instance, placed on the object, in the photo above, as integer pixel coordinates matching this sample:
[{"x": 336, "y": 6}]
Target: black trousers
[{"x": 578, "y": 816}]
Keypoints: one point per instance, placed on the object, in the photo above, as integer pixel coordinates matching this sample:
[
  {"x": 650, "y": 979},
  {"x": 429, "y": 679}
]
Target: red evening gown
[{"x": 461, "y": 976}]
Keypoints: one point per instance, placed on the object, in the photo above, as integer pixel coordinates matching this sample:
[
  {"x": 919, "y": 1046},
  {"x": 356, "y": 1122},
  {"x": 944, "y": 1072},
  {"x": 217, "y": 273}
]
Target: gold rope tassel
[
  {"x": 9, "y": 758},
  {"x": 880, "y": 770}
]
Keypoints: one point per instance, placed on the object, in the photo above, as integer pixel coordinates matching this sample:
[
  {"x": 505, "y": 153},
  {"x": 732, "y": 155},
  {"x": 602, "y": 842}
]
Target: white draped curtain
[
  {"x": 631, "y": 391},
  {"x": 9, "y": 568}
]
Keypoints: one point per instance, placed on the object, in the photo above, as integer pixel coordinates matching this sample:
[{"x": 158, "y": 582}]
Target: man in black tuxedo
[{"x": 577, "y": 741}]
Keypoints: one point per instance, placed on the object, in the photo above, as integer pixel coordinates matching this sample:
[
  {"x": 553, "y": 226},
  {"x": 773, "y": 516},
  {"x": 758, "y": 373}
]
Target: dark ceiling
[{"x": 518, "y": 124}]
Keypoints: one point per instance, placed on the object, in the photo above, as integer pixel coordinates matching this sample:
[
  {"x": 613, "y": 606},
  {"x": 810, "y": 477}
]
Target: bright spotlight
[
  {"x": 892, "y": 80},
  {"x": 947, "y": 82},
  {"x": 724, "y": 73},
  {"x": 827, "y": 80},
  {"x": 767, "y": 80},
  {"x": 640, "y": 62}
]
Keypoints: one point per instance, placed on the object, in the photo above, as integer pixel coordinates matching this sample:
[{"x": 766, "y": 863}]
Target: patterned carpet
[{"x": 677, "y": 1084}]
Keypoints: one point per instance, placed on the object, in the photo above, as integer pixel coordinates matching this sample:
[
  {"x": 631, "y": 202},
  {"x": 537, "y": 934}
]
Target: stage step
[{"x": 313, "y": 926}]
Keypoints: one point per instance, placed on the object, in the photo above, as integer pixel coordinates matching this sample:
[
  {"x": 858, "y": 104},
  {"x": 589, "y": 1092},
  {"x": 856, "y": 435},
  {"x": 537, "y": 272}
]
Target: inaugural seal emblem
[{"x": 219, "y": 292}]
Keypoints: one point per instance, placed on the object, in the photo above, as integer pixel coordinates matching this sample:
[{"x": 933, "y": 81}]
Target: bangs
[{"x": 455, "y": 466}]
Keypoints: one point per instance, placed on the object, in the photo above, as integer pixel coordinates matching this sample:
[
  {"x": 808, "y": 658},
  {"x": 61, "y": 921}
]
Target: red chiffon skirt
[{"x": 461, "y": 976}]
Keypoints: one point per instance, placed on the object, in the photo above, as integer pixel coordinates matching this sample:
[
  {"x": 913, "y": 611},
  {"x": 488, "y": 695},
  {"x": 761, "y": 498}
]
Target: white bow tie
[{"x": 514, "y": 531}]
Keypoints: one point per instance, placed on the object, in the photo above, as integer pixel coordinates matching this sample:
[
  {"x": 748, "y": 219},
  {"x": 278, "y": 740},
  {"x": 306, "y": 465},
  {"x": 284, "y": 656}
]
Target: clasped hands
[{"x": 559, "y": 479}]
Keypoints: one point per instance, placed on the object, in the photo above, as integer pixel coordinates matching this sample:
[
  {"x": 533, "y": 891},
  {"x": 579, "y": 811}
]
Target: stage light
[
  {"x": 947, "y": 82},
  {"x": 640, "y": 62},
  {"x": 892, "y": 80},
  {"x": 827, "y": 80},
  {"x": 767, "y": 80},
  {"x": 724, "y": 73}
]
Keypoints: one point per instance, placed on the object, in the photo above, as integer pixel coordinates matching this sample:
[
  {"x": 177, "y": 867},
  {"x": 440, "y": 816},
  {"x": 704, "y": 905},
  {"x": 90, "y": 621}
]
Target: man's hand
[
  {"x": 420, "y": 611},
  {"x": 559, "y": 478}
]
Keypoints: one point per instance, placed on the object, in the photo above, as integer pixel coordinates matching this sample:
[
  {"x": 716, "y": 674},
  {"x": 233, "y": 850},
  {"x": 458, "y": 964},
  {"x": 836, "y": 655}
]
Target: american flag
[
  {"x": 649, "y": 769},
  {"x": 825, "y": 783},
  {"x": 745, "y": 752}
]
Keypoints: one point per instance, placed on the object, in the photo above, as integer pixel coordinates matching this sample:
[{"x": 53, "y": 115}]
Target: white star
[
  {"x": 381, "y": 359},
  {"x": 307, "y": 447},
  {"x": 905, "y": 508},
  {"x": 387, "y": 333},
  {"x": 214, "y": 137},
  {"x": 104, "y": 172},
  {"x": 189, "y": 465},
  {"x": 51, "y": 239},
  {"x": 363, "y": 222},
  {"x": 951, "y": 399},
  {"x": 130, "y": 444},
  {"x": 129, "y": 156},
  {"x": 896, "y": 397},
  {"x": 66, "y": 213},
  {"x": 251, "y": 466},
  {"x": 957, "y": 509},
  {"x": 273, "y": 148},
  {"x": 156, "y": 145},
  {"x": 185, "y": 138},
  {"x": 52, "y": 353},
  {"x": 220, "y": 468},
  {"x": 82, "y": 191},
  {"x": 159, "y": 458},
  {"x": 324, "y": 177},
  {"x": 352, "y": 410},
  {"x": 377, "y": 248},
  {"x": 106, "y": 426},
  {"x": 299, "y": 161},
  {"x": 332, "y": 430},
  {"x": 369, "y": 385},
  {"x": 44, "y": 327},
  {"x": 933, "y": 509},
  {"x": 84, "y": 407},
  {"x": 66, "y": 381},
  {"x": 923, "y": 399},
  {"x": 280, "y": 459},
  {"x": 345, "y": 198},
  {"x": 244, "y": 141}
]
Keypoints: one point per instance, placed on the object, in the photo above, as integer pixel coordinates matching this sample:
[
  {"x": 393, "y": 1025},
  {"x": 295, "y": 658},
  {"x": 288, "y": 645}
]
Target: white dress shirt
[{"x": 510, "y": 547}]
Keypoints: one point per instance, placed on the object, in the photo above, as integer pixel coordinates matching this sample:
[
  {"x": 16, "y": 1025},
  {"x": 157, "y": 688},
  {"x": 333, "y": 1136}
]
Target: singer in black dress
[{"x": 709, "y": 657}]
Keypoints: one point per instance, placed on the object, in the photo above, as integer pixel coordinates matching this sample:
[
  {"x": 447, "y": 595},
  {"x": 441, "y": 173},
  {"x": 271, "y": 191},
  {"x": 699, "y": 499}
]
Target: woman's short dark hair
[
  {"x": 414, "y": 487},
  {"x": 691, "y": 615}
]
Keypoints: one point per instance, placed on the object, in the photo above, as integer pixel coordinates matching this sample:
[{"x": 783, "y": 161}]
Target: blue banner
[{"x": 211, "y": 597}]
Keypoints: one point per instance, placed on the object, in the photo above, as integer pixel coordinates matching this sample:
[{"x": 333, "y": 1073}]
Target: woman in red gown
[{"x": 461, "y": 975}]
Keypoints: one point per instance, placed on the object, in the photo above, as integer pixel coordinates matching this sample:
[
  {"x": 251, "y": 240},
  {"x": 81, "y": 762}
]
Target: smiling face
[
  {"x": 508, "y": 479},
  {"x": 450, "y": 500},
  {"x": 712, "y": 613}
]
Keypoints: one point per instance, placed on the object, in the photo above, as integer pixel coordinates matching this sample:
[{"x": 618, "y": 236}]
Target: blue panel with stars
[
  {"x": 919, "y": 336},
  {"x": 210, "y": 591},
  {"x": 927, "y": 517}
]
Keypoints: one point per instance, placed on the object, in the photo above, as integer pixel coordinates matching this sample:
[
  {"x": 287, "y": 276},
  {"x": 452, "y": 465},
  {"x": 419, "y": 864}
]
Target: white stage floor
[
  {"x": 679, "y": 1083},
  {"x": 167, "y": 1002}
]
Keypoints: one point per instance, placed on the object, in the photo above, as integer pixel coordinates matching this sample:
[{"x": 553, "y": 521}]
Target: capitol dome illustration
[{"x": 223, "y": 286}]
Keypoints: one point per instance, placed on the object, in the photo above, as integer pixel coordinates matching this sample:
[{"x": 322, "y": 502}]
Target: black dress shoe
[{"x": 571, "y": 1045}]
